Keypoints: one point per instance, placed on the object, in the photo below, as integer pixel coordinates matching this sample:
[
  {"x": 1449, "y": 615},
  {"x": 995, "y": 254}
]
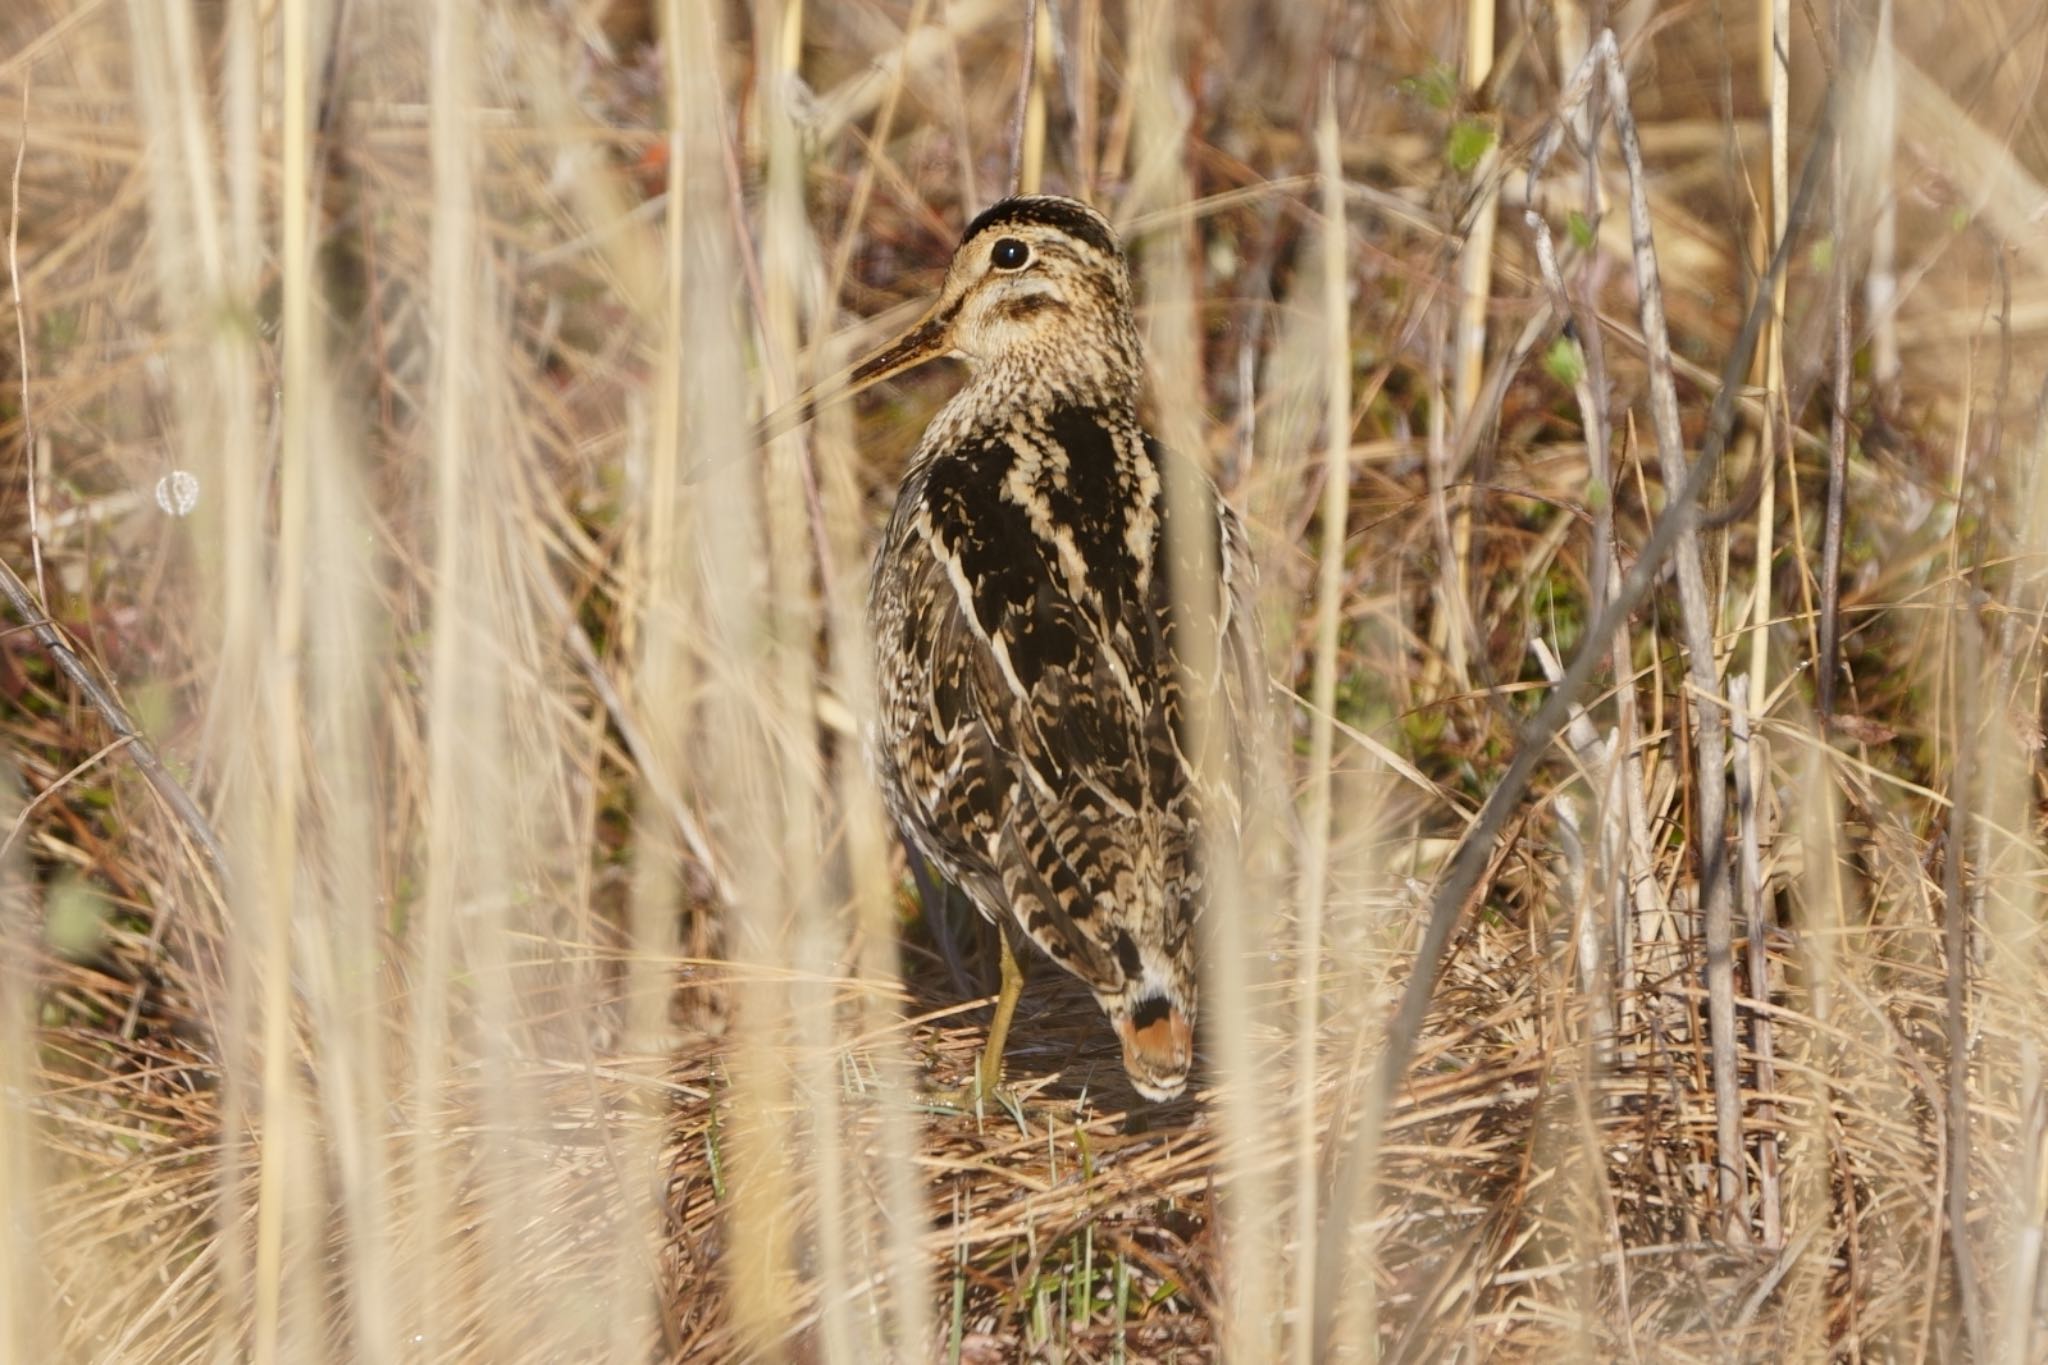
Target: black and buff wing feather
[{"x": 1030, "y": 734}]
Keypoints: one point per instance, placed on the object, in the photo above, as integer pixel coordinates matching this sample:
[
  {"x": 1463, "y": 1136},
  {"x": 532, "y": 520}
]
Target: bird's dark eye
[{"x": 1010, "y": 254}]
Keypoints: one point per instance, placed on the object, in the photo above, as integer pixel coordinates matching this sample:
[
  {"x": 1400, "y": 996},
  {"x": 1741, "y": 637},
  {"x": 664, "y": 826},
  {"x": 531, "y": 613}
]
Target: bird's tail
[{"x": 1159, "y": 1046}]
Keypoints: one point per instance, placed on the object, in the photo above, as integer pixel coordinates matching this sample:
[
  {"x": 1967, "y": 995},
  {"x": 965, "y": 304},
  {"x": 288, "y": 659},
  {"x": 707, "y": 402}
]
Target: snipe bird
[{"x": 1032, "y": 731}]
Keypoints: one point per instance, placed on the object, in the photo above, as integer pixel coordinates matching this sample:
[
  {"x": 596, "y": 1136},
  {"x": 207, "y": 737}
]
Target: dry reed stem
[
  {"x": 1828, "y": 663},
  {"x": 1314, "y": 894},
  {"x": 1249, "y": 1325},
  {"x": 25, "y": 1329},
  {"x": 1468, "y": 360},
  {"x": 271, "y": 893},
  {"x": 28, "y": 426},
  {"x": 1774, "y": 61},
  {"x": 2003, "y": 917}
]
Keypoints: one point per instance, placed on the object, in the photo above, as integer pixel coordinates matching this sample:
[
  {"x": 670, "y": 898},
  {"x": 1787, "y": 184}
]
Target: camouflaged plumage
[{"x": 1031, "y": 736}]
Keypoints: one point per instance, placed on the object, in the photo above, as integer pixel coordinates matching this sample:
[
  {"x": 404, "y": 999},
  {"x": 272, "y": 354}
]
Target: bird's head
[
  {"x": 1038, "y": 285},
  {"x": 1037, "y": 300}
]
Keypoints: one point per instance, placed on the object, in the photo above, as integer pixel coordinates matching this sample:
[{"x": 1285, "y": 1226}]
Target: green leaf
[
  {"x": 1581, "y": 229},
  {"x": 1565, "y": 362},
  {"x": 1470, "y": 140},
  {"x": 1436, "y": 87}
]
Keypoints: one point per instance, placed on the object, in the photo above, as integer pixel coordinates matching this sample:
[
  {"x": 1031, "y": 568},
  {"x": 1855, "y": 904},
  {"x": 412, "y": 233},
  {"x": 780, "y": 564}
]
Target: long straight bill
[{"x": 926, "y": 341}]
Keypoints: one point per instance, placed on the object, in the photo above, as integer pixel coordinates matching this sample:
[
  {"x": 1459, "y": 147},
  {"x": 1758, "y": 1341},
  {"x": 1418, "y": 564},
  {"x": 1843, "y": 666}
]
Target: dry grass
[{"x": 563, "y": 996}]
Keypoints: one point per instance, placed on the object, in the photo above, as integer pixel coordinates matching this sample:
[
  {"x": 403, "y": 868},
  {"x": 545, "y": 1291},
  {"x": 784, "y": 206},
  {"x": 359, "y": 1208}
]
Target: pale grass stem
[
  {"x": 268, "y": 899},
  {"x": 1451, "y": 625},
  {"x": 1773, "y": 433},
  {"x": 1320, "y": 814}
]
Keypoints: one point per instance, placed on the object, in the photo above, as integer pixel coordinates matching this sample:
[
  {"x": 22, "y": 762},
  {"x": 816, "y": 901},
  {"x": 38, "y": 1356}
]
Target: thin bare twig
[
  {"x": 28, "y": 426},
  {"x": 168, "y": 788},
  {"x": 1756, "y": 921},
  {"x": 21, "y": 817},
  {"x": 1616, "y": 848},
  {"x": 1881, "y": 276},
  {"x": 1594, "y": 754},
  {"x": 1021, "y": 180},
  {"x": 1474, "y": 852},
  {"x": 1955, "y": 916},
  {"x": 1625, "y": 843},
  {"x": 1838, "y": 420},
  {"x": 1086, "y": 43}
]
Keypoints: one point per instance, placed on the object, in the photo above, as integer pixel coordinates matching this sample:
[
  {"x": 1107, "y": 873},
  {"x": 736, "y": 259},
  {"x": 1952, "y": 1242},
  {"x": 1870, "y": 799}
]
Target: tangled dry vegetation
[{"x": 557, "y": 994}]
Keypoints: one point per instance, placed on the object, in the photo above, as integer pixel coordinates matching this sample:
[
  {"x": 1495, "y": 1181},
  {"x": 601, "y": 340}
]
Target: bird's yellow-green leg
[
  {"x": 990, "y": 1074},
  {"x": 986, "y": 1082}
]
